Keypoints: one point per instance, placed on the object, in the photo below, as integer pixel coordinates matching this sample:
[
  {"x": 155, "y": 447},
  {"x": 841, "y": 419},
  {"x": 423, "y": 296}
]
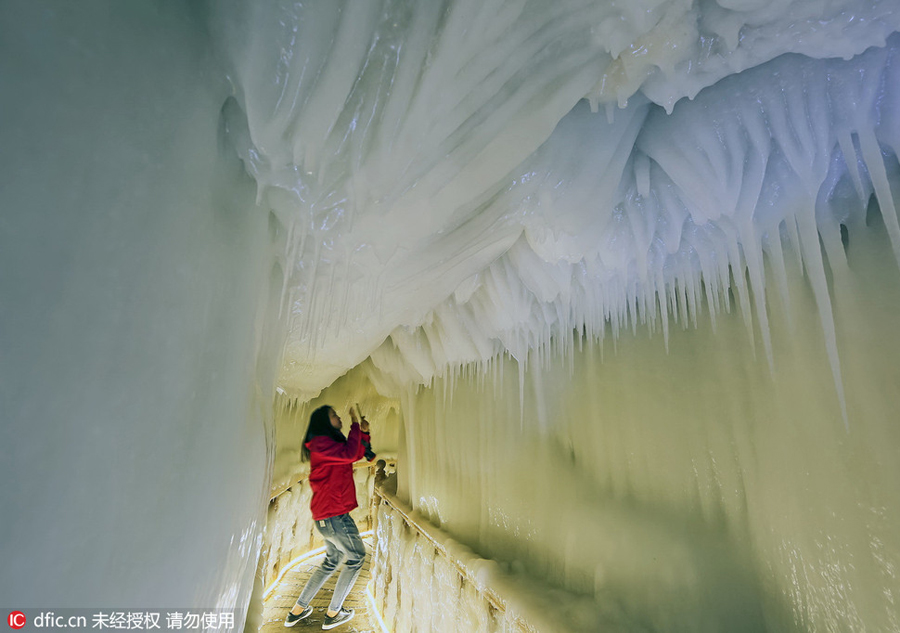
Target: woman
[{"x": 331, "y": 458}]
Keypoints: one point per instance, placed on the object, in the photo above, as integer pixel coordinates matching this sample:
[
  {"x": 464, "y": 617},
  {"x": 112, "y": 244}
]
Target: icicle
[
  {"x": 642, "y": 173},
  {"x": 737, "y": 273},
  {"x": 815, "y": 268},
  {"x": 682, "y": 299},
  {"x": 663, "y": 315},
  {"x": 846, "y": 143},
  {"x": 793, "y": 232},
  {"x": 724, "y": 285},
  {"x": 693, "y": 277},
  {"x": 776, "y": 258},
  {"x": 610, "y": 112},
  {"x": 520, "y": 364},
  {"x": 710, "y": 284},
  {"x": 753, "y": 256},
  {"x": 875, "y": 164}
]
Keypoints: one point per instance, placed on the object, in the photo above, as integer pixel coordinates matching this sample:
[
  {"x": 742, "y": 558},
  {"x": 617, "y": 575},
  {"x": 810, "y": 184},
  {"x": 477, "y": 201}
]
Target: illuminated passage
[{"x": 617, "y": 285}]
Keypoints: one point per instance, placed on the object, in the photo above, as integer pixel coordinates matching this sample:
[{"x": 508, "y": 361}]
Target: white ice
[
  {"x": 462, "y": 198},
  {"x": 473, "y": 143}
]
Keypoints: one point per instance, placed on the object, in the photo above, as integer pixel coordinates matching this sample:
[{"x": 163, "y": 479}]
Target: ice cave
[{"x": 617, "y": 282}]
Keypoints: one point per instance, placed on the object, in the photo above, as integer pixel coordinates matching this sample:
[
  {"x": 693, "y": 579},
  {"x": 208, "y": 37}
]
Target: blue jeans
[{"x": 341, "y": 539}]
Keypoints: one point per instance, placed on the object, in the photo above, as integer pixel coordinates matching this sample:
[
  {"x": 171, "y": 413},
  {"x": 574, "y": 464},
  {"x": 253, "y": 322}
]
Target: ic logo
[{"x": 16, "y": 619}]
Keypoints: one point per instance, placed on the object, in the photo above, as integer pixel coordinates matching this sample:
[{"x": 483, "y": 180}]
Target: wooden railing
[
  {"x": 480, "y": 590},
  {"x": 290, "y": 532},
  {"x": 422, "y": 580}
]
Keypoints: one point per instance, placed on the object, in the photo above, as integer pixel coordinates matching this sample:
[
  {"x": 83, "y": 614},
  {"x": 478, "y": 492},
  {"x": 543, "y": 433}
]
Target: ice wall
[
  {"x": 139, "y": 298},
  {"x": 694, "y": 490},
  {"x": 481, "y": 196},
  {"x": 442, "y": 196}
]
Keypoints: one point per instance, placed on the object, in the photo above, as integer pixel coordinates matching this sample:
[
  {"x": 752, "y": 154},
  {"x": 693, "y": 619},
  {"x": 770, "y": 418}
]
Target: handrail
[
  {"x": 438, "y": 539},
  {"x": 298, "y": 522},
  {"x": 300, "y": 475}
]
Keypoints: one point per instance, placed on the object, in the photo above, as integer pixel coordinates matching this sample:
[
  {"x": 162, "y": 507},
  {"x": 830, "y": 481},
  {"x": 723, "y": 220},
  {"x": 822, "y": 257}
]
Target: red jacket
[{"x": 331, "y": 473}]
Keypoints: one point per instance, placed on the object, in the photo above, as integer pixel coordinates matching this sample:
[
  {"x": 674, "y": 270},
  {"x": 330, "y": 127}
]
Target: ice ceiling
[{"x": 463, "y": 179}]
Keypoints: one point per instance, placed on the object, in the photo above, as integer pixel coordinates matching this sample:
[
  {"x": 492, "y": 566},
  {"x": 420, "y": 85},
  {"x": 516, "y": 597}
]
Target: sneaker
[
  {"x": 342, "y": 616},
  {"x": 292, "y": 619}
]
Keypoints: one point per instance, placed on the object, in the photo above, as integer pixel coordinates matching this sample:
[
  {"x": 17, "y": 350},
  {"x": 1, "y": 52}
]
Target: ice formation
[
  {"x": 139, "y": 326},
  {"x": 524, "y": 214},
  {"x": 470, "y": 203},
  {"x": 668, "y": 487}
]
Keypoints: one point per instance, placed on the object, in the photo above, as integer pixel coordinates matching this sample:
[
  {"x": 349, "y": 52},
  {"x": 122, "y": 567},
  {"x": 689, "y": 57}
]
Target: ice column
[{"x": 139, "y": 318}]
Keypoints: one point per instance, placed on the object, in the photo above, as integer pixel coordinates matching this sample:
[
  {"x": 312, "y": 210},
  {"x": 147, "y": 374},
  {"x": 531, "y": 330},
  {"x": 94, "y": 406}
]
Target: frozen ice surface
[
  {"x": 472, "y": 203},
  {"x": 690, "y": 490},
  {"x": 139, "y": 327},
  {"x": 473, "y": 141}
]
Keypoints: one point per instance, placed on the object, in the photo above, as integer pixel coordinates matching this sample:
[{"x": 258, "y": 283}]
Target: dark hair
[{"x": 320, "y": 424}]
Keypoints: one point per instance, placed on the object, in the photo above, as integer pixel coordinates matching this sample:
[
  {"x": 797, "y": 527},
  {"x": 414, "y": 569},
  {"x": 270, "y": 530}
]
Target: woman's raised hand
[{"x": 353, "y": 417}]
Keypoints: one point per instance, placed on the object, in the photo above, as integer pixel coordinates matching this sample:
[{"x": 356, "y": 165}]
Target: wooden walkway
[{"x": 282, "y": 598}]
